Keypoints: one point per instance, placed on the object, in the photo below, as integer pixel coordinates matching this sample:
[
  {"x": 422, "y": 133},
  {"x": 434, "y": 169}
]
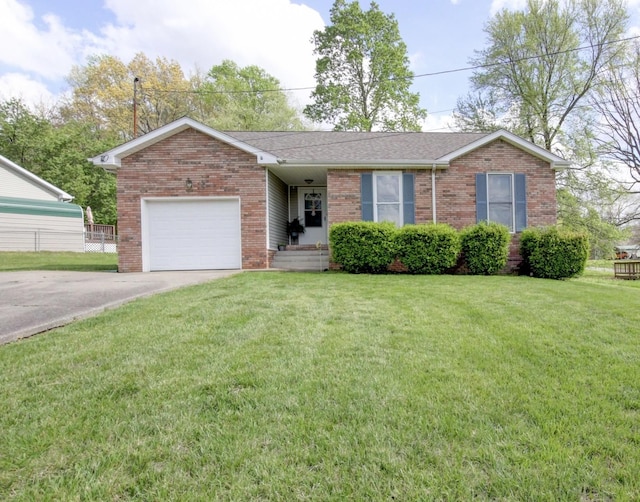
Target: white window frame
[
  {"x": 400, "y": 195},
  {"x": 512, "y": 229}
]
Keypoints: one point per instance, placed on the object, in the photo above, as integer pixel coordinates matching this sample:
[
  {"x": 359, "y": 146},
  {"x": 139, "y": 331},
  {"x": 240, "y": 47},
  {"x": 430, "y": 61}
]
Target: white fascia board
[
  {"x": 112, "y": 159},
  {"x": 521, "y": 143},
  {"x": 61, "y": 194},
  {"x": 376, "y": 164}
]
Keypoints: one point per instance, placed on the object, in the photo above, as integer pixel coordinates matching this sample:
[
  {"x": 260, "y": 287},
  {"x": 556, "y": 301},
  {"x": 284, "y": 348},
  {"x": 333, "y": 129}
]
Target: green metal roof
[{"x": 40, "y": 207}]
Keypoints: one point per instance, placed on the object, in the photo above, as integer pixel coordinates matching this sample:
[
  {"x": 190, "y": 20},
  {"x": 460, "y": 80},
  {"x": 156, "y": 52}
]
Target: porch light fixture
[
  {"x": 308, "y": 181},
  {"x": 188, "y": 184}
]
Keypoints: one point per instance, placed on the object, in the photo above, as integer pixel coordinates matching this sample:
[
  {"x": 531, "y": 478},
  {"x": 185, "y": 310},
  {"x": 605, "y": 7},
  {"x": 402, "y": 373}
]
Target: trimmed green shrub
[
  {"x": 485, "y": 247},
  {"x": 428, "y": 249},
  {"x": 551, "y": 253},
  {"x": 363, "y": 247},
  {"x": 529, "y": 239}
]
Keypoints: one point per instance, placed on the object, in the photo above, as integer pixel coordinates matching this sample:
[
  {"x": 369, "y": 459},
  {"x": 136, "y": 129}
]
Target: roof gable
[
  {"x": 33, "y": 180},
  {"x": 111, "y": 160},
  {"x": 517, "y": 141}
]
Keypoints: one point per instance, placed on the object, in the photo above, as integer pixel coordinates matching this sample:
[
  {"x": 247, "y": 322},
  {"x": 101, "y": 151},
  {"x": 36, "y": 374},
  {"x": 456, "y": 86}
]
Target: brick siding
[
  {"x": 455, "y": 190},
  {"x": 215, "y": 169}
]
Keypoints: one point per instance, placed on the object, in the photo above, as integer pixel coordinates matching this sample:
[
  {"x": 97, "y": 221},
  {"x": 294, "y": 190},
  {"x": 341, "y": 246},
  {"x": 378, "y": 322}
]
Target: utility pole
[{"x": 135, "y": 106}]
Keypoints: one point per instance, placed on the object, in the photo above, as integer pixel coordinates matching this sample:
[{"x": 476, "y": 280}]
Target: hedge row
[
  {"x": 367, "y": 247},
  {"x": 483, "y": 249}
]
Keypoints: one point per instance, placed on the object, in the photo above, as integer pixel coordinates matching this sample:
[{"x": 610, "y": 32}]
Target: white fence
[
  {"x": 13, "y": 239},
  {"x": 100, "y": 242}
]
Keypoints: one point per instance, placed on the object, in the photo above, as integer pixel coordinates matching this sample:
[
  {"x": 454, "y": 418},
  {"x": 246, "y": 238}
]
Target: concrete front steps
[{"x": 308, "y": 260}]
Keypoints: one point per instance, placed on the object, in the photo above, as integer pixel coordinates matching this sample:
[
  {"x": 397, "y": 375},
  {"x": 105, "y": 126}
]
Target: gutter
[{"x": 376, "y": 164}]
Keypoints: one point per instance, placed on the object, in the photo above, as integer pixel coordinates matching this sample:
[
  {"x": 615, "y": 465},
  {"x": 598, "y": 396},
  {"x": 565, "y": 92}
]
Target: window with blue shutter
[
  {"x": 388, "y": 196},
  {"x": 502, "y": 198}
]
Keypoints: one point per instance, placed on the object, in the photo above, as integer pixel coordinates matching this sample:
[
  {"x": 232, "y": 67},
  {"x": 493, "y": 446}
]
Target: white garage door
[{"x": 191, "y": 234}]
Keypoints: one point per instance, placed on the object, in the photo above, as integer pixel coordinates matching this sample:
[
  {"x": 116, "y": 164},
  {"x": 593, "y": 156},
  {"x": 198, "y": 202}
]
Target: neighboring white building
[{"x": 35, "y": 215}]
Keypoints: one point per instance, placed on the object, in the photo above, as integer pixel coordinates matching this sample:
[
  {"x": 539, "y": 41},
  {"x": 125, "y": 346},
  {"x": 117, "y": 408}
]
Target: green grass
[
  {"x": 601, "y": 272},
  {"x": 284, "y": 386},
  {"x": 46, "y": 260}
]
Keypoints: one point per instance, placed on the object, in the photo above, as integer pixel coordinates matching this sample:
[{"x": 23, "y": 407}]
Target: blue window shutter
[
  {"x": 366, "y": 196},
  {"x": 408, "y": 197},
  {"x": 520, "y": 183},
  {"x": 481, "y": 197}
]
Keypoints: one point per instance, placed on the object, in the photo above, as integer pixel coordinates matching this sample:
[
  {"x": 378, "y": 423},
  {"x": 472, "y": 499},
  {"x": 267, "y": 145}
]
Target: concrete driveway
[{"x": 36, "y": 301}]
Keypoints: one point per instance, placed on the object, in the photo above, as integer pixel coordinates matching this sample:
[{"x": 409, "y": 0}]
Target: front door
[{"x": 313, "y": 215}]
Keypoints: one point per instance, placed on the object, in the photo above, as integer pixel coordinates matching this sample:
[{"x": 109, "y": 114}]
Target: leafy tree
[
  {"x": 102, "y": 94},
  {"x": 535, "y": 78},
  {"x": 246, "y": 99},
  {"x": 20, "y": 132},
  {"x": 362, "y": 73},
  {"x": 479, "y": 113},
  {"x": 617, "y": 103},
  {"x": 542, "y": 62},
  {"x": 58, "y": 154},
  {"x": 579, "y": 215}
]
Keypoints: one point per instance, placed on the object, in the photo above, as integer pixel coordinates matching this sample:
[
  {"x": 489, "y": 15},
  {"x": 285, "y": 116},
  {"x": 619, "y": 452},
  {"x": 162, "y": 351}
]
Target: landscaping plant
[
  {"x": 485, "y": 247},
  {"x": 552, "y": 253},
  {"x": 363, "y": 247},
  {"x": 428, "y": 249}
]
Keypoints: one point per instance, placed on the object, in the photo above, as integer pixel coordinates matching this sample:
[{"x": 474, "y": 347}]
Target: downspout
[
  {"x": 433, "y": 192},
  {"x": 288, "y": 211},
  {"x": 267, "y": 247}
]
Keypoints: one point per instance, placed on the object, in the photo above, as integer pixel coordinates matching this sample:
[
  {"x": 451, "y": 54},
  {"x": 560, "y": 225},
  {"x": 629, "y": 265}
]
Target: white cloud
[
  {"x": 273, "y": 34},
  {"x": 21, "y": 86},
  {"x": 438, "y": 123},
  {"x": 48, "y": 52}
]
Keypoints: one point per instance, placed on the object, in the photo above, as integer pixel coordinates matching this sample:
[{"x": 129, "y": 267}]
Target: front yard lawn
[{"x": 285, "y": 386}]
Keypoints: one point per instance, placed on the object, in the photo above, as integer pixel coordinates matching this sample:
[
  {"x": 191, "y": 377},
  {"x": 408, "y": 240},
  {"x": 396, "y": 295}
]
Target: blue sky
[{"x": 43, "y": 39}]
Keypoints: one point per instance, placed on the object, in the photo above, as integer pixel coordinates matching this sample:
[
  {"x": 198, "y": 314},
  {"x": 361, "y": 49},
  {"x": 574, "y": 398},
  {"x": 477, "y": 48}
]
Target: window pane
[
  {"x": 501, "y": 213},
  {"x": 312, "y": 218},
  {"x": 500, "y": 188},
  {"x": 388, "y": 188},
  {"x": 389, "y": 212},
  {"x": 313, "y": 210}
]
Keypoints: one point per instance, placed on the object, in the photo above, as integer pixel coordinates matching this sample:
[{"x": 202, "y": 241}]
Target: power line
[
  {"x": 528, "y": 58},
  {"x": 421, "y": 75}
]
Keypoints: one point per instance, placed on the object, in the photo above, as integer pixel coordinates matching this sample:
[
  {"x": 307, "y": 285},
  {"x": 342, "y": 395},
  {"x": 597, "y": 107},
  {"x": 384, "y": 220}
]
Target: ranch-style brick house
[{"x": 191, "y": 197}]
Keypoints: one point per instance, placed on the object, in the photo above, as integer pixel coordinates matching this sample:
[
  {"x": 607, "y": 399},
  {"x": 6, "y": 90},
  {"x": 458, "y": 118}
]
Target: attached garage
[{"x": 191, "y": 233}]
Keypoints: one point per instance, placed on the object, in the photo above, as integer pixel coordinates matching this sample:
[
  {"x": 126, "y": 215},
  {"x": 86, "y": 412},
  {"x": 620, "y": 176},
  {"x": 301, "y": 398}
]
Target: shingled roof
[
  {"x": 356, "y": 147},
  {"x": 335, "y": 148}
]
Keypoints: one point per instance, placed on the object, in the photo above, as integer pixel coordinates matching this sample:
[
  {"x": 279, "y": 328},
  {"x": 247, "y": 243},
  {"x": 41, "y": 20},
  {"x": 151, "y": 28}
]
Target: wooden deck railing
[
  {"x": 98, "y": 231},
  {"x": 626, "y": 269}
]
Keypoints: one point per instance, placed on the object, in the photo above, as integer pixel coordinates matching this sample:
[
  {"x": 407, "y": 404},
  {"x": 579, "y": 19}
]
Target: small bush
[
  {"x": 552, "y": 253},
  {"x": 428, "y": 249},
  {"x": 363, "y": 247},
  {"x": 529, "y": 239},
  {"x": 485, "y": 247}
]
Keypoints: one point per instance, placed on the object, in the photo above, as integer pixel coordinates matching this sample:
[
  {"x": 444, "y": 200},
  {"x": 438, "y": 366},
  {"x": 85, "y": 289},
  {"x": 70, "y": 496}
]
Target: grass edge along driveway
[{"x": 284, "y": 386}]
